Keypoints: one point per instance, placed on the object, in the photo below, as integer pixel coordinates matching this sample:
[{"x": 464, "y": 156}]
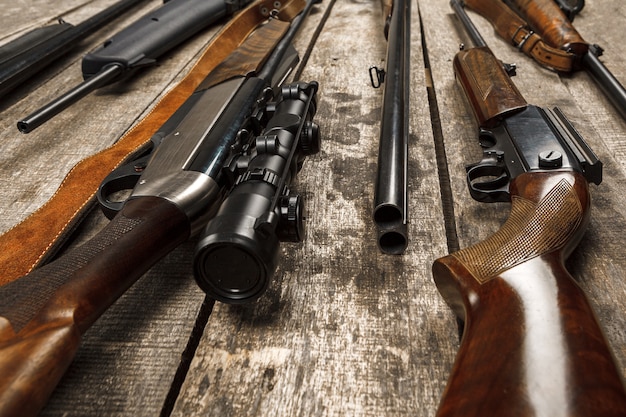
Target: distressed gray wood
[{"x": 343, "y": 329}]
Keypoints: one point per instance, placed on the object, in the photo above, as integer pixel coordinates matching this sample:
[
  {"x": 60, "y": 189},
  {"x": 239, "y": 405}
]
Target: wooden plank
[
  {"x": 18, "y": 17},
  {"x": 343, "y": 329}
]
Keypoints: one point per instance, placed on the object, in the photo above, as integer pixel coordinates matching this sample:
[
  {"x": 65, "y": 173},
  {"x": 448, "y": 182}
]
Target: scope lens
[{"x": 230, "y": 273}]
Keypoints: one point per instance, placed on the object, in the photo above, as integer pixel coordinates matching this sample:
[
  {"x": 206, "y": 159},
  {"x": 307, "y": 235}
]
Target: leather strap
[
  {"x": 513, "y": 28},
  {"x": 36, "y": 239}
]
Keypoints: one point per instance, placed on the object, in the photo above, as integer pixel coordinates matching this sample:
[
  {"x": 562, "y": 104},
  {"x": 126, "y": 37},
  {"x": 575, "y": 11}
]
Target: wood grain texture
[{"x": 343, "y": 330}]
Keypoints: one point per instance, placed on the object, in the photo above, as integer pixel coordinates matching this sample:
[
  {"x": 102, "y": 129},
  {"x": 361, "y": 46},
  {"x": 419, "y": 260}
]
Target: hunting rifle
[
  {"x": 542, "y": 30},
  {"x": 531, "y": 345},
  {"x": 241, "y": 133},
  {"x": 390, "y": 193},
  {"x": 137, "y": 46}
]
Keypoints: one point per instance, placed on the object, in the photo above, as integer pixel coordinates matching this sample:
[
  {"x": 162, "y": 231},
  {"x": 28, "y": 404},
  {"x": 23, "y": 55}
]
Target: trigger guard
[
  {"x": 125, "y": 177},
  {"x": 492, "y": 190},
  {"x": 114, "y": 182}
]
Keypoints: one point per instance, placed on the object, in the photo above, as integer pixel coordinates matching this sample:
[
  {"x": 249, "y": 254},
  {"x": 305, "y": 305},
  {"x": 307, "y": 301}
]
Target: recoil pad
[{"x": 238, "y": 252}]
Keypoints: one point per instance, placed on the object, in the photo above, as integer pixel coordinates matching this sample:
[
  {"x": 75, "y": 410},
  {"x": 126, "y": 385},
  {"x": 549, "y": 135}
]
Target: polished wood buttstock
[
  {"x": 488, "y": 88},
  {"x": 531, "y": 344},
  {"x": 548, "y": 20},
  {"x": 44, "y": 314}
]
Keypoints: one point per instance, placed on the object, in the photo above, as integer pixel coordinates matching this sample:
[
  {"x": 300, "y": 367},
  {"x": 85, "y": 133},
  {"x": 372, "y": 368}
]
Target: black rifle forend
[
  {"x": 23, "y": 57},
  {"x": 390, "y": 192},
  {"x": 239, "y": 120},
  {"x": 138, "y": 45}
]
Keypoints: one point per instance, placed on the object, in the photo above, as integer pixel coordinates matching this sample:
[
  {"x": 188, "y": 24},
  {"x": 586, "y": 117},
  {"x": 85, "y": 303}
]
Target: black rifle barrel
[
  {"x": 609, "y": 85},
  {"x": 47, "y": 112},
  {"x": 390, "y": 195},
  {"x": 23, "y": 57},
  {"x": 470, "y": 29}
]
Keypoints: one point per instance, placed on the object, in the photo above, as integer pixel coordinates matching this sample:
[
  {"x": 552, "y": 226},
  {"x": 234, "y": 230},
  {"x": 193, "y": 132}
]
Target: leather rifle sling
[
  {"x": 510, "y": 26},
  {"x": 36, "y": 239}
]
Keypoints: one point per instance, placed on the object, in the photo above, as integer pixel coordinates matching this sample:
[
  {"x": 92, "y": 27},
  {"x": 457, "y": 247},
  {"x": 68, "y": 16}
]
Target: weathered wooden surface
[{"x": 343, "y": 329}]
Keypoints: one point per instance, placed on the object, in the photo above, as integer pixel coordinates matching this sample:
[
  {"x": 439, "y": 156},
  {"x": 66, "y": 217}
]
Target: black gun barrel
[
  {"x": 470, "y": 29},
  {"x": 23, "y": 57},
  {"x": 47, "y": 112},
  {"x": 136, "y": 46},
  {"x": 390, "y": 195},
  {"x": 609, "y": 85}
]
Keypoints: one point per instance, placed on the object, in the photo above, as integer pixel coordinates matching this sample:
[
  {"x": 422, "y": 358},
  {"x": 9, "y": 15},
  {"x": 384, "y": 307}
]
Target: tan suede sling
[{"x": 33, "y": 241}]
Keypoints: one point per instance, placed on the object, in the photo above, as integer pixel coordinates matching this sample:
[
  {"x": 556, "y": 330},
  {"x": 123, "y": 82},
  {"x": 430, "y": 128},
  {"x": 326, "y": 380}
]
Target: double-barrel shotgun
[
  {"x": 544, "y": 32},
  {"x": 531, "y": 344},
  {"x": 134, "y": 47},
  {"x": 221, "y": 170},
  {"x": 390, "y": 191}
]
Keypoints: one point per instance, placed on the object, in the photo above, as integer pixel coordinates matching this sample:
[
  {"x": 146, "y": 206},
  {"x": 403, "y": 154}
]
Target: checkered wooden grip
[{"x": 531, "y": 344}]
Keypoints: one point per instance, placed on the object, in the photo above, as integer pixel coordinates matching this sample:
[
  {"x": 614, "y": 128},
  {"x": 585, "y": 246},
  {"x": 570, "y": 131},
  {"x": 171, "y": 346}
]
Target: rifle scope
[{"x": 238, "y": 253}]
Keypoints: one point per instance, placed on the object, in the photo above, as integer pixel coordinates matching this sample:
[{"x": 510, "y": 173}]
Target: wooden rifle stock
[
  {"x": 531, "y": 344},
  {"x": 489, "y": 89},
  {"x": 40, "y": 332}
]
